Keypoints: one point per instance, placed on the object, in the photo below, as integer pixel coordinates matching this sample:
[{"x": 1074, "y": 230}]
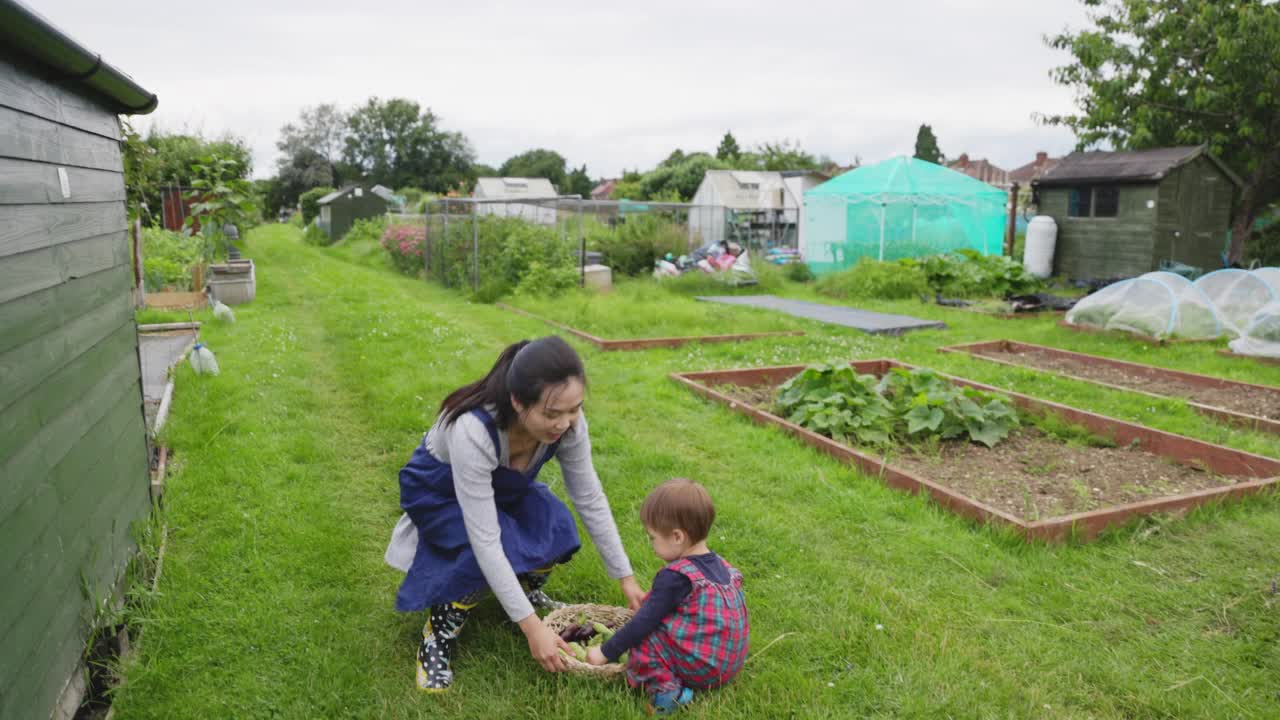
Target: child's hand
[
  {"x": 595, "y": 656},
  {"x": 632, "y": 592}
]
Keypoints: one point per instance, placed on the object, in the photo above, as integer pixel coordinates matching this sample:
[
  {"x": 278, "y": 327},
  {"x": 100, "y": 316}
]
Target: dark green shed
[
  {"x": 73, "y": 446},
  {"x": 1125, "y": 213},
  {"x": 340, "y": 209}
]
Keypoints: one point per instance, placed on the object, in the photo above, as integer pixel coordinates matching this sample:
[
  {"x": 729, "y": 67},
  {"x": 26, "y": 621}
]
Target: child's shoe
[{"x": 669, "y": 702}]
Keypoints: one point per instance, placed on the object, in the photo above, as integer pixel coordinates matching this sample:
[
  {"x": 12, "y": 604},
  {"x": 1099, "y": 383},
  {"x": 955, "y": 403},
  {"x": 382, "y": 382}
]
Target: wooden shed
[
  {"x": 73, "y": 446},
  {"x": 1126, "y": 213},
  {"x": 340, "y": 209}
]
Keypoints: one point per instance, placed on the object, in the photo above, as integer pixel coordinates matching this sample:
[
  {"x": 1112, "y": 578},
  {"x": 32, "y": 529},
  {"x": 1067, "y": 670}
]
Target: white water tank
[{"x": 1037, "y": 255}]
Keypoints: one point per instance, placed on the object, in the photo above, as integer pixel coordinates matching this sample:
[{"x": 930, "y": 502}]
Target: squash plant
[{"x": 907, "y": 405}]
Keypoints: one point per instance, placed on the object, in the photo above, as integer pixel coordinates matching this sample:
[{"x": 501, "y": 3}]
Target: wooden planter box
[
  {"x": 648, "y": 343},
  {"x": 1085, "y": 525},
  {"x": 1130, "y": 336},
  {"x": 234, "y": 283},
  {"x": 1191, "y": 380},
  {"x": 1226, "y": 352}
]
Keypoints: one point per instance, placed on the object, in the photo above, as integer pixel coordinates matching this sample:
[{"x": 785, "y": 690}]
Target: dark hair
[
  {"x": 679, "y": 504},
  {"x": 524, "y": 369}
]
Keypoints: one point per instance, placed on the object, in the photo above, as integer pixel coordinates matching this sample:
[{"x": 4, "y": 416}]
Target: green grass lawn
[{"x": 866, "y": 602}]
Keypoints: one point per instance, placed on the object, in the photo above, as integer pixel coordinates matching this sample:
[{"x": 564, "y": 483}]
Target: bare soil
[
  {"x": 1032, "y": 475},
  {"x": 1250, "y": 401}
]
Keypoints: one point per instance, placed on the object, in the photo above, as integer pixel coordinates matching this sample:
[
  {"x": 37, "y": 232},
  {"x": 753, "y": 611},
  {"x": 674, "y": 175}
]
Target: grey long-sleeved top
[{"x": 466, "y": 446}]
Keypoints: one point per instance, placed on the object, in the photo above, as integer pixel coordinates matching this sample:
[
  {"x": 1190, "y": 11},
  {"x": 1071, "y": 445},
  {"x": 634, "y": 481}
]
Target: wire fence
[{"x": 466, "y": 239}]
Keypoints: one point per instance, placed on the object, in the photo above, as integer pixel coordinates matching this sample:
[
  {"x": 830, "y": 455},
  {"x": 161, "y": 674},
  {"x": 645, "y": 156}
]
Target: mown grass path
[{"x": 275, "y": 602}]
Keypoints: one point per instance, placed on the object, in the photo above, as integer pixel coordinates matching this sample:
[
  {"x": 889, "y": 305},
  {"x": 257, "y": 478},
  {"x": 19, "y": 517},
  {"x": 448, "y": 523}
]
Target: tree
[
  {"x": 784, "y": 155},
  {"x": 728, "y": 150},
  {"x": 303, "y": 170},
  {"x": 676, "y": 157},
  {"x": 395, "y": 143},
  {"x": 927, "y": 146},
  {"x": 219, "y": 198},
  {"x": 318, "y": 137},
  {"x": 162, "y": 160},
  {"x": 579, "y": 183},
  {"x": 677, "y": 182},
  {"x": 538, "y": 163},
  {"x": 1153, "y": 73}
]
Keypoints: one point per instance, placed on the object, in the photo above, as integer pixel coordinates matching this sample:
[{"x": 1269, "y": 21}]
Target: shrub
[
  {"x": 967, "y": 274},
  {"x": 366, "y": 230},
  {"x": 296, "y": 220},
  {"x": 875, "y": 279},
  {"x": 307, "y": 201},
  {"x": 313, "y": 235},
  {"x": 412, "y": 196},
  {"x": 798, "y": 272},
  {"x": 545, "y": 280},
  {"x": 406, "y": 245},
  {"x": 1264, "y": 246},
  {"x": 167, "y": 258},
  {"x": 633, "y": 245},
  {"x": 509, "y": 247}
]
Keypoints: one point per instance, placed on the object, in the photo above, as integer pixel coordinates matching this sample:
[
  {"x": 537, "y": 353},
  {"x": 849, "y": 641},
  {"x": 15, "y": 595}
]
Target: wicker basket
[{"x": 607, "y": 615}]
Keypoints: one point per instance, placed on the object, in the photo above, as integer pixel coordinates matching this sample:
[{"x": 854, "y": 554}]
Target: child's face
[{"x": 668, "y": 546}]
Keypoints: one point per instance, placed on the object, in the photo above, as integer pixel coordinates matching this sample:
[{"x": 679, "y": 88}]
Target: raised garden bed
[
  {"x": 176, "y": 300},
  {"x": 1130, "y": 335},
  {"x": 1226, "y": 352},
  {"x": 1245, "y": 404},
  {"x": 1022, "y": 482},
  {"x": 647, "y": 343}
]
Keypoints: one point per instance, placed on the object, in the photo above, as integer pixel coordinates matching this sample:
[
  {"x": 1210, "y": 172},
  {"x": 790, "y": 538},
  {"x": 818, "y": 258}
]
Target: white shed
[
  {"x": 765, "y": 205},
  {"x": 516, "y": 189}
]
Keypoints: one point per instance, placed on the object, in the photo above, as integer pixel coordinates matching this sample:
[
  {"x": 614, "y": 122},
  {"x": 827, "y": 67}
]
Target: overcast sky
[{"x": 612, "y": 88}]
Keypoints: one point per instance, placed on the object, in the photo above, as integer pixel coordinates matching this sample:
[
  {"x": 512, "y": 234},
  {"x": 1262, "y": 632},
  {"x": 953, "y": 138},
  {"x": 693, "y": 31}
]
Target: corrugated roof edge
[{"x": 25, "y": 31}]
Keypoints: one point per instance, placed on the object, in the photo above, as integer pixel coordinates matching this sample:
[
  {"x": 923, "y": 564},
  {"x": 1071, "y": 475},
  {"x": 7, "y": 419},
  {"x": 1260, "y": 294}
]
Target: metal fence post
[
  {"x": 444, "y": 247},
  {"x": 475, "y": 248},
  {"x": 582, "y": 250}
]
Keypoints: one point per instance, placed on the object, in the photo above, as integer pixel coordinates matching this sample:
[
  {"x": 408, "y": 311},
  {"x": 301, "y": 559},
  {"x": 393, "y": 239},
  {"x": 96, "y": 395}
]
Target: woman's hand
[
  {"x": 544, "y": 644},
  {"x": 595, "y": 656},
  {"x": 632, "y": 592}
]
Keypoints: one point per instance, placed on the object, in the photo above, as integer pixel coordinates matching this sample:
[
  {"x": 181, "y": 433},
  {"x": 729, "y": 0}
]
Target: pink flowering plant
[{"x": 406, "y": 245}]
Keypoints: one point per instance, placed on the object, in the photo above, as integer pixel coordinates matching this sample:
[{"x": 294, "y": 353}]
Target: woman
[{"x": 475, "y": 516}]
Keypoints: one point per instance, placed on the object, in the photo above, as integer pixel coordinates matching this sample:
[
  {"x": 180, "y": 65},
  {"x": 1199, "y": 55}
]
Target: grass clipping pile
[
  {"x": 975, "y": 443},
  {"x": 586, "y": 626}
]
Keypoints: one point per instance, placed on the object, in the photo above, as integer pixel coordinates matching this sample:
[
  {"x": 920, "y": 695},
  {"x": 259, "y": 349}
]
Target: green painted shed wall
[
  {"x": 1187, "y": 222},
  {"x": 345, "y": 210},
  {"x": 73, "y": 449}
]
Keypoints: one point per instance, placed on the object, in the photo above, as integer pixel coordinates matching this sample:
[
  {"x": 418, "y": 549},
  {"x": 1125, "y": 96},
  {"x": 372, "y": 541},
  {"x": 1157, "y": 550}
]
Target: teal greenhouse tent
[{"x": 899, "y": 208}]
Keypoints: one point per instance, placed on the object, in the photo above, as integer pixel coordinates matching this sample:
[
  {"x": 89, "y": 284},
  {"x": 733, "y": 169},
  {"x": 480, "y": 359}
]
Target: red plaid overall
[{"x": 702, "y": 644}]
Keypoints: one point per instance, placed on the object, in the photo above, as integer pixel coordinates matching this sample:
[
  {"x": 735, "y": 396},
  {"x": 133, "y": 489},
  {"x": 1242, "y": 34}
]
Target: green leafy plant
[
  {"x": 313, "y": 235},
  {"x": 540, "y": 279},
  {"x": 634, "y": 244},
  {"x": 798, "y": 272},
  {"x": 930, "y": 405},
  {"x": 837, "y": 402},
  {"x": 309, "y": 200},
  {"x": 220, "y": 198},
  {"x": 912, "y": 405},
  {"x": 967, "y": 273},
  {"x": 168, "y": 257},
  {"x": 366, "y": 230},
  {"x": 872, "y": 279}
]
